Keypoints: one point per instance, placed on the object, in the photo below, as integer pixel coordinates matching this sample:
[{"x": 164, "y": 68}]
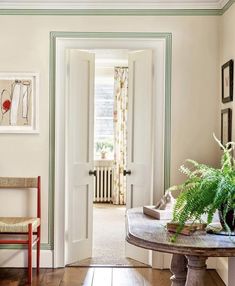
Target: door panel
[
  {"x": 79, "y": 213},
  {"x": 80, "y": 115},
  {"x": 139, "y": 149}
]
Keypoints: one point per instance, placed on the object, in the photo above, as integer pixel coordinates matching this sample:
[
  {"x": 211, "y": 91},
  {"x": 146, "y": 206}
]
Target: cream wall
[
  {"x": 195, "y": 59},
  {"x": 227, "y": 52}
]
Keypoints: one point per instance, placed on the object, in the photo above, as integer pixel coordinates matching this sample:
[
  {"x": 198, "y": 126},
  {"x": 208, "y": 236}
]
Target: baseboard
[
  {"x": 18, "y": 258},
  {"x": 164, "y": 259},
  {"x": 211, "y": 262},
  {"x": 222, "y": 269},
  {"x": 167, "y": 260},
  {"x": 157, "y": 260}
]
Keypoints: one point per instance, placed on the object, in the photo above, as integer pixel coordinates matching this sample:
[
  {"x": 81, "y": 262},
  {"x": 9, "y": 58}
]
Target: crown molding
[
  {"x": 112, "y": 12},
  {"x": 13, "y": 8},
  {"x": 99, "y": 5},
  {"x": 227, "y": 5},
  {"x": 222, "y": 3}
]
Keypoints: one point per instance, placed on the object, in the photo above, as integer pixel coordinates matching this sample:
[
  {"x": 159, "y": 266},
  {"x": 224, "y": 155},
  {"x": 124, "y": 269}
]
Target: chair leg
[
  {"x": 38, "y": 248},
  {"x": 30, "y": 246}
]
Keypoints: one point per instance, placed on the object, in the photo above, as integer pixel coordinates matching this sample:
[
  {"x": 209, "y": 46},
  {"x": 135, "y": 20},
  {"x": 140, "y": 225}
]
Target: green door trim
[
  {"x": 52, "y": 77},
  {"x": 107, "y": 35}
]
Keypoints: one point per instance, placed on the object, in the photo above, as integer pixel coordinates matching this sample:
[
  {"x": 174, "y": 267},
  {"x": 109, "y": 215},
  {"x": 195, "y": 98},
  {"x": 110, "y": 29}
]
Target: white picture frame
[{"x": 19, "y": 102}]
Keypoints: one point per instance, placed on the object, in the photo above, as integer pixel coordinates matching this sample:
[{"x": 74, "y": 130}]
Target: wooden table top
[{"x": 147, "y": 232}]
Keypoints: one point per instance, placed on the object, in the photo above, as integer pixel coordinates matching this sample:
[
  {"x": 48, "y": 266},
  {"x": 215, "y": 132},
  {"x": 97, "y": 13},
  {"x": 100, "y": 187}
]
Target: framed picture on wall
[
  {"x": 226, "y": 125},
  {"x": 227, "y": 82},
  {"x": 19, "y": 102}
]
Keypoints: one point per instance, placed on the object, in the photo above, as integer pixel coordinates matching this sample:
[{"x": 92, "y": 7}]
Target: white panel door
[
  {"x": 139, "y": 137},
  {"x": 80, "y": 122}
]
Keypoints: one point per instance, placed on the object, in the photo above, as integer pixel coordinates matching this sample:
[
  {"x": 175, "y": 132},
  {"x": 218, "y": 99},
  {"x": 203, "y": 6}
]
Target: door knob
[
  {"x": 92, "y": 172},
  {"x": 125, "y": 172}
]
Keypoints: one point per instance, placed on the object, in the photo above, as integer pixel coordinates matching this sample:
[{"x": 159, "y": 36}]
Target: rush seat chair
[{"x": 30, "y": 227}]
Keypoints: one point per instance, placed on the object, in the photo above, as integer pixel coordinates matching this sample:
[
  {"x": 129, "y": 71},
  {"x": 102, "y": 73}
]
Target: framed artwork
[
  {"x": 227, "y": 82},
  {"x": 226, "y": 125},
  {"x": 19, "y": 102}
]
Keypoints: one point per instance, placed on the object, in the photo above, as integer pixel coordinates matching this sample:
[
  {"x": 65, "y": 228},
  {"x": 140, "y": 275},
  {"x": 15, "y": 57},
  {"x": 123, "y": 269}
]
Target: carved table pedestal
[{"x": 190, "y": 253}]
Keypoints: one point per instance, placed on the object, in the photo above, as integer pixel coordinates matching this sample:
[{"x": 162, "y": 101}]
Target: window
[{"x": 104, "y": 132}]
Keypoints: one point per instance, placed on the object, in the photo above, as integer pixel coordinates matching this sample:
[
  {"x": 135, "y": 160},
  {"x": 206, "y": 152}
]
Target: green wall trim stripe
[
  {"x": 167, "y": 145},
  {"x": 44, "y": 246},
  {"x": 51, "y": 200},
  {"x": 109, "y": 35},
  {"x": 113, "y": 12},
  {"x": 118, "y": 12}
]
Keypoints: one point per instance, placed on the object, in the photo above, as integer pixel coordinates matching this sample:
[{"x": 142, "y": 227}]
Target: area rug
[{"x": 108, "y": 239}]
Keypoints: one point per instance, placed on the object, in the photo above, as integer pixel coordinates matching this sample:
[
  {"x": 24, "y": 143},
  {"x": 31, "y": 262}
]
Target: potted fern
[{"x": 207, "y": 190}]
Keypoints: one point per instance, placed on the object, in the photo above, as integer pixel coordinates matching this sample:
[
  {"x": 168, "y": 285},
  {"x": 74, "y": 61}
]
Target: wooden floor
[{"x": 74, "y": 276}]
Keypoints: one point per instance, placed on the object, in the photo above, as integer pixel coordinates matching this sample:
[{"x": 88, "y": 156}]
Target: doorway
[
  {"x": 110, "y": 148},
  {"x": 110, "y": 154},
  {"x": 158, "y": 45},
  {"x": 132, "y": 141}
]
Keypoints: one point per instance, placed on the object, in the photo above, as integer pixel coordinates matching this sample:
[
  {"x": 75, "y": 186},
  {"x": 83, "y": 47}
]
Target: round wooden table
[{"x": 190, "y": 253}]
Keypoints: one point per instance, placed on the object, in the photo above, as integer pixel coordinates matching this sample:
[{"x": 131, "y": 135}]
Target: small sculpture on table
[
  {"x": 166, "y": 202},
  {"x": 163, "y": 208}
]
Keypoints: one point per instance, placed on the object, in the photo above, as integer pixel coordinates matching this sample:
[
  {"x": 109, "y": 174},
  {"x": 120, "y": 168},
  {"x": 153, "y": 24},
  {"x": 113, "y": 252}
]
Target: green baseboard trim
[{"x": 44, "y": 246}]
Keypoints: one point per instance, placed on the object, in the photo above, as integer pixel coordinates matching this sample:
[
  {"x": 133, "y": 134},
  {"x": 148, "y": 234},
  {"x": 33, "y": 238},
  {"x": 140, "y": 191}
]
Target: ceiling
[{"x": 112, "y": 4}]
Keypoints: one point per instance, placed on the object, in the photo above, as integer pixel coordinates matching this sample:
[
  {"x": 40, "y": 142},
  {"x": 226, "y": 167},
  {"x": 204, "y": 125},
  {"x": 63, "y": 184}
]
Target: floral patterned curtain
[{"x": 120, "y": 133}]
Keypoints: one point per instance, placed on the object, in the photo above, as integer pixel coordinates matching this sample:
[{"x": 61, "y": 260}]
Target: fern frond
[{"x": 206, "y": 189}]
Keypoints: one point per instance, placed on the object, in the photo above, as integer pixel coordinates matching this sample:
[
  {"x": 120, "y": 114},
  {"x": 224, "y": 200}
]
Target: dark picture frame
[
  {"x": 227, "y": 82},
  {"x": 226, "y": 125}
]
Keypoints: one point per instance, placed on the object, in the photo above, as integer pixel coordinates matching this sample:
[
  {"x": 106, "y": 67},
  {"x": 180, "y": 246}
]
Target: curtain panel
[{"x": 120, "y": 133}]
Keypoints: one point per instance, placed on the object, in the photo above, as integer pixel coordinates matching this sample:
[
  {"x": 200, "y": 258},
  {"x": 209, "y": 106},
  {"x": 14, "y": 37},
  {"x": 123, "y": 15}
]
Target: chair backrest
[{"x": 23, "y": 183}]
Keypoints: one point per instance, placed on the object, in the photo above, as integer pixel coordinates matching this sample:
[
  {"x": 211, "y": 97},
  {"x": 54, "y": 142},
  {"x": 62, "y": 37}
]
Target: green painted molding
[
  {"x": 50, "y": 244},
  {"x": 112, "y": 12},
  {"x": 44, "y": 246},
  {"x": 103, "y": 35},
  {"x": 51, "y": 200},
  {"x": 118, "y": 12},
  {"x": 227, "y": 6},
  {"x": 100, "y": 35},
  {"x": 167, "y": 143}
]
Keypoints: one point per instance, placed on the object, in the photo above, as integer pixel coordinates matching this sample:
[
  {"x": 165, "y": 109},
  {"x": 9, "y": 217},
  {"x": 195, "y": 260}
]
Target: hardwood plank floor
[{"x": 72, "y": 276}]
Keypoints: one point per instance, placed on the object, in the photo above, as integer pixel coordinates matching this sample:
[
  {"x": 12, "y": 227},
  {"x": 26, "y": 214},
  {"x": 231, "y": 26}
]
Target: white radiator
[{"x": 103, "y": 181}]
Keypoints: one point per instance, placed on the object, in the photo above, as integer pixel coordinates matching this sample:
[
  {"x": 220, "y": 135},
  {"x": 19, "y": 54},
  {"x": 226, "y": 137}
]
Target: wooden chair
[{"x": 29, "y": 226}]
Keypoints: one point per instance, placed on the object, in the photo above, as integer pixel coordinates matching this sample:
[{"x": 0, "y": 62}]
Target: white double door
[{"x": 79, "y": 147}]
